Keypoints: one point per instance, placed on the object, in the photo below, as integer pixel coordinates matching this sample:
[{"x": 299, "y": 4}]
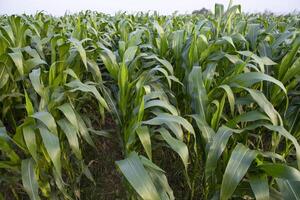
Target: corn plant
[{"x": 220, "y": 90}]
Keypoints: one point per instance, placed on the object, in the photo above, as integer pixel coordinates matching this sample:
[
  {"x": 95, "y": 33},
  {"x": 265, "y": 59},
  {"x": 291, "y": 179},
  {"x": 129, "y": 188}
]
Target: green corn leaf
[
  {"x": 51, "y": 143},
  {"x": 250, "y": 78},
  {"x": 78, "y": 85},
  {"x": 78, "y": 45},
  {"x": 229, "y": 40},
  {"x": 110, "y": 61},
  {"x": 250, "y": 116},
  {"x": 162, "y": 104},
  {"x": 4, "y": 76},
  {"x": 33, "y": 62},
  {"x": 216, "y": 148},
  {"x": 30, "y": 140},
  {"x": 123, "y": 85},
  {"x": 293, "y": 71},
  {"x": 165, "y": 118},
  {"x": 166, "y": 64},
  {"x": 176, "y": 129},
  {"x": 260, "y": 187},
  {"x": 217, "y": 115},
  {"x": 29, "y": 179},
  {"x": 83, "y": 130},
  {"x": 137, "y": 176},
  {"x": 144, "y": 136},
  {"x": 265, "y": 105},
  {"x": 238, "y": 164},
  {"x": 177, "y": 145},
  {"x": 28, "y": 104},
  {"x": 289, "y": 189},
  {"x": 230, "y": 97},
  {"x": 69, "y": 113},
  {"x": 70, "y": 132},
  {"x": 282, "y": 131},
  {"x": 197, "y": 92},
  {"x": 47, "y": 119},
  {"x": 35, "y": 81},
  {"x": 281, "y": 171},
  {"x": 159, "y": 178},
  {"x": 129, "y": 54},
  {"x": 206, "y": 130},
  {"x": 95, "y": 71},
  {"x": 287, "y": 61},
  {"x": 253, "y": 32},
  {"x": 17, "y": 58}
]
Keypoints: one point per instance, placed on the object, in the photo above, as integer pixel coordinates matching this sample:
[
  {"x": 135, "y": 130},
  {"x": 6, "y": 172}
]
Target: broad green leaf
[
  {"x": 250, "y": 78},
  {"x": 229, "y": 40},
  {"x": 144, "y": 135},
  {"x": 247, "y": 117},
  {"x": 159, "y": 178},
  {"x": 177, "y": 145},
  {"x": 165, "y": 118},
  {"x": 29, "y": 179},
  {"x": 70, "y": 132},
  {"x": 166, "y": 64},
  {"x": 130, "y": 54},
  {"x": 293, "y": 71},
  {"x": 206, "y": 130},
  {"x": 47, "y": 119},
  {"x": 289, "y": 189},
  {"x": 281, "y": 171},
  {"x": 69, "y": 113},
  {"x": 95, "y": 71},
  {"x": 282, "y": 131},
  {"x": 230, "y": 97},
  {"x": 123, "y": 86},
  {"x": 17, "y": 58},
  {"x": 238, "y": 164},
  {"x": 28, "y": 104},
  {"x": 51, "y": 143},
  {"x": 36, "y": 82},
  {"x": 30, "y": 140},
  {"x": 253, "y": 32},
  {"x": 33, "y": 62},
  {"x": 219, "y": 10},
  {"x": 216, "y": 148},
  {"x": 134, "y": 171},
  {"x": 110, "y": 61},
  {"x": 78, "y": 45},
  {"x": 4, "y": 76},
  {"x": 287, "y": 60},
  {"x": 162, "y": 104},
  {"x": 260, "y": 187},
  {"x": 197, "y": 92},
  {"x": 84, "y": 87},
  {"x": 265, "y": 105},
  {"x": 218, "y": 113},
  {"x": 83, "y": 130}
]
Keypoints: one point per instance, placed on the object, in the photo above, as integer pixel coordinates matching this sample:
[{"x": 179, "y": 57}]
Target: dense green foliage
[{"x": 222, "y": 91}]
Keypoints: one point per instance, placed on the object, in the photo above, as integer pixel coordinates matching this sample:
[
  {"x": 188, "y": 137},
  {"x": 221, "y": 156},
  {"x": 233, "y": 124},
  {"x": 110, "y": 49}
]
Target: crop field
[{"x": 148, "y": 106}]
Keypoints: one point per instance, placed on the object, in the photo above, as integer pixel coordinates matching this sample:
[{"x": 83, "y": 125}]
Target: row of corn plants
[{"x": 221, "y": 91}]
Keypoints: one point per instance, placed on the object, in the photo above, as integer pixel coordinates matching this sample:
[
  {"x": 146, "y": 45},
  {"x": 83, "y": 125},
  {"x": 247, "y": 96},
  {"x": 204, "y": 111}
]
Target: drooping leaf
[
  {"x": 51, "y": 143},
  {"x": 70, "y": 132},
  {"x": 29, "y": 179},
  {"x": 144, "y": 135},
  {"x": 134, "y": 171},
  {"x": 177, "y": 145},
  {"x": 47, "y": 119},
  {"x": 238, "y": 164},
  {"x": 260, "y": 187}
]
